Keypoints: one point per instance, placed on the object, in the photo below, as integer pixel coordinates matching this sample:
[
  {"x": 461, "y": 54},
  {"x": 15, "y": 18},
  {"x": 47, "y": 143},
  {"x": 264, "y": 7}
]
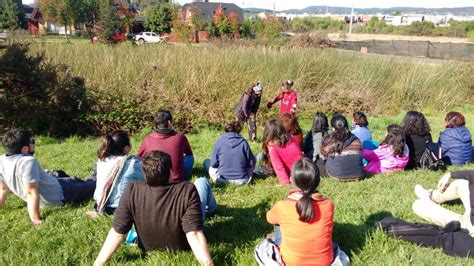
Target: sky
[{"x": 300, "y": 4}]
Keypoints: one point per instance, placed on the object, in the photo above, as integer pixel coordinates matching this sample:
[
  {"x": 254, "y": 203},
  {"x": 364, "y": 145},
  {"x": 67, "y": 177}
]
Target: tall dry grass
[{"x": 202, "y": 84}]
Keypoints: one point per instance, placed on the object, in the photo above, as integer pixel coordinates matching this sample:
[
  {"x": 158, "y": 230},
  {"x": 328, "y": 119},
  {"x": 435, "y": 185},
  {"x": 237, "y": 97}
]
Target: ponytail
[
  {"x": 305, "y": 176},
  {"x": 113, "y": 143}
]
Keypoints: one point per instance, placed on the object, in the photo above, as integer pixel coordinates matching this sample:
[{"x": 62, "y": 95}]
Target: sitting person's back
[
  {"x": 417, "y": 135},
  {"x": 342, "y": 152},
  {"x": 314, "y": 138},
  {"x": 166, "y": 216},
  {"x": 305, "y": 219},
  {"x": 391, "y": 155},
  {"x": 455, "y": 140},
  {"x": 115, "y": 170},
  {"x": 167, "y": 140},
  {"x": 232, "y": 159},
  {"x": 292, "y": 127},
  {"x": 360, "y": 129}
]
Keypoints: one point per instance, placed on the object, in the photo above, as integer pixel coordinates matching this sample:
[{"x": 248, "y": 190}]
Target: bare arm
[
  {"x": 32, "y": 201},
  {"x": 3, "y": 193},
  {"x": 111, "y": 244},
  {"x": 198, "y": 243}
]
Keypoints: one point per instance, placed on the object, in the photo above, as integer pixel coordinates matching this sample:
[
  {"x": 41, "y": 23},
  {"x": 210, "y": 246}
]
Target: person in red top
[
  {"x": 305, "y": 220},
  {"x": 287, "y": 97},
  {"x": 292, "y": 127},
  {"x": 165, "y": 139}
]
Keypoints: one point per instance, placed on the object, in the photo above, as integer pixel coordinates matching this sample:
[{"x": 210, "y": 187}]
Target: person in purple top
[{"x": 246, "y": 109}]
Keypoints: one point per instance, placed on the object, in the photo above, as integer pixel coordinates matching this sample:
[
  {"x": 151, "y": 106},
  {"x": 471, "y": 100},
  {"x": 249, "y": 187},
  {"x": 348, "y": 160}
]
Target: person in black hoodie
[{"x": 417, "y": 135}]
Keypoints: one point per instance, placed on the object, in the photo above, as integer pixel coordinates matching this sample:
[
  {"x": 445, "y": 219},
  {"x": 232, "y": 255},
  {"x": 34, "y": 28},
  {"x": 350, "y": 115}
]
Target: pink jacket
[
  {"x": 289, "y": 100},
  {"x": 283, "y": 158},
  {"x": 382, "y": 160}
]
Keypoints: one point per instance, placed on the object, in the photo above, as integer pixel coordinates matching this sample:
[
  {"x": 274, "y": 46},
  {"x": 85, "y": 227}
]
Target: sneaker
[{"x": 422, "y": 193}]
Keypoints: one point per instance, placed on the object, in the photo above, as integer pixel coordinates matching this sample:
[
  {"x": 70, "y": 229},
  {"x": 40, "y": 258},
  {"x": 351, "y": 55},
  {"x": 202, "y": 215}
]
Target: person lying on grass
[
  {"x": 167, "y": 216},
  {"x": 22, "y": 174},
  {"x": 115, "y": 170}
]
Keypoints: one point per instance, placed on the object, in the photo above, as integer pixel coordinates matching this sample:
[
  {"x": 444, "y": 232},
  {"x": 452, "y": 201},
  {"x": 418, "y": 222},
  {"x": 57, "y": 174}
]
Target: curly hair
[{"x": 415, "y": 123}]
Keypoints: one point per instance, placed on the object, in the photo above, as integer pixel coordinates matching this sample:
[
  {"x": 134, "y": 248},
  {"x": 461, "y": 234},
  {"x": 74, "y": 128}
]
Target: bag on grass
[
  {"x": 432, "y": 158},
  {"x": 340, "y": 257},
  {"x": 268, "y": 254}
]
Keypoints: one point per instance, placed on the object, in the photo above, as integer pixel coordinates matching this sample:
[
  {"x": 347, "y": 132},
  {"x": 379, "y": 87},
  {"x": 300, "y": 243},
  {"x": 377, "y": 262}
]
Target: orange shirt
[{"x": 305, "y": 243}]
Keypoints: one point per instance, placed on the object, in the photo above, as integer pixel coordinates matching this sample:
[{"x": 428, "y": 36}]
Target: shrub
[{"x": 38, "y": 95}]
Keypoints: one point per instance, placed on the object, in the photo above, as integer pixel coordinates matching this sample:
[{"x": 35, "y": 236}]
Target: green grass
[{"x": 68, "y": 237}]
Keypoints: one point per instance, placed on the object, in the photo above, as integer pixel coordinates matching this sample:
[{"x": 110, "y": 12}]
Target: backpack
[{"x": 432, "y": 159}]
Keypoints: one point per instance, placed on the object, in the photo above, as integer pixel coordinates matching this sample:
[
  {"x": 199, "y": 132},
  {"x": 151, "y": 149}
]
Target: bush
[{"x": 38, "y": 95}]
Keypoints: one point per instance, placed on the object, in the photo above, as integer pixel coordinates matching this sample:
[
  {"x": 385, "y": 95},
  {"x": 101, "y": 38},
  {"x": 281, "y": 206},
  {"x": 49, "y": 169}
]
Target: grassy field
[{"x": 68, "y": 237}]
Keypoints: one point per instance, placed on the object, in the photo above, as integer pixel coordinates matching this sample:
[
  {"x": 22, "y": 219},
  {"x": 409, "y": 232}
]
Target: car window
[
  {"x": 147, "y": 34},
  {"x": 153, "y": 34}
]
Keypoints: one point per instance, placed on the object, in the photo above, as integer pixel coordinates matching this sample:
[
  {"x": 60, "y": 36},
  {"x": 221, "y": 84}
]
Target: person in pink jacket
[
  {"x": 287, "y": 97},
  {"x": 280, "y": 150},
  {"x": 391, "y": 155}
]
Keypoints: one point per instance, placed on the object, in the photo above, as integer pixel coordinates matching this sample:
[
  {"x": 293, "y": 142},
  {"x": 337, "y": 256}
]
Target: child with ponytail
[
  {"x": 305, "y": 220},
  {"x": 391, "y": 155},
  {"x": 115, "y": 170}
]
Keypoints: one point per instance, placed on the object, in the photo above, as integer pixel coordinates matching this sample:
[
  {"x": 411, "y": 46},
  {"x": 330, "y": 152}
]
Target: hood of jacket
[
  {"x": 349, "y": 140},
  {"x": 460, "y": 134},
  {"x": 231, "y": 139},
  {"x": 163, "y": 133}
]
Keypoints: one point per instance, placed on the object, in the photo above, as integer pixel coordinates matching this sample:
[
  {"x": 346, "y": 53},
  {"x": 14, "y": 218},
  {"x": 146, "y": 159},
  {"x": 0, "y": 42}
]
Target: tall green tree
[
  {"x": 159, "y": 17},
  {"x": 59, "y": 12},
  {"x": 12, "y": 16},
  {"x": 110, "y": 23}
]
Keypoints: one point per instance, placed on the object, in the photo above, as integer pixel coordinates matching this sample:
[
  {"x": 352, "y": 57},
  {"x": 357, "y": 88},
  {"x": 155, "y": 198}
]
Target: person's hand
[
  {"x": 269, "y": 105},
  {"x": 443, "y": 182},
  {"x": 37, "y": 222}
]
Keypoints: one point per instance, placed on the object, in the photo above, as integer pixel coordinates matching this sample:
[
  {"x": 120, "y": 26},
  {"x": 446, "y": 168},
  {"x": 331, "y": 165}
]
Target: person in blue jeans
[
  {"x": 208, "y": 202},
  {"x": 22, "y": 174}
]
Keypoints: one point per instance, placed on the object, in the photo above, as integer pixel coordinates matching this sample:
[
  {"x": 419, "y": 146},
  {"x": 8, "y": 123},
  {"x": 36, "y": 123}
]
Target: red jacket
[{"x": 288, "y": 103}]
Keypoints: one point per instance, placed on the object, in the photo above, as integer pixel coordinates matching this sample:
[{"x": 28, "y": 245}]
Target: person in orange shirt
[{"x": 304, "y": 220}]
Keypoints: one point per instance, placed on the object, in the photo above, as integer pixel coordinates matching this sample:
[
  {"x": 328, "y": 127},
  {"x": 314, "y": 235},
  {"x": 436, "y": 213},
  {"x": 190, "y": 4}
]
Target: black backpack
[{"x": 432, "y": 158}]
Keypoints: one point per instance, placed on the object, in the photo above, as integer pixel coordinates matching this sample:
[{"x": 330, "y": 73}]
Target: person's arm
[
  {"x": 278, "y": 167},
  {"x": 245, "y": 104},
  {"x": 278, "y": 98},
  {"x": 273, "y": 215},
  {"x": 141, "y": 149},
  {"x": 187, "y": 148},
  {"x": 3, "y": 193},
  {"x": 111, "y": 244},
  {"x": 250, "y": 157},
  {"x": 33, "y": 202},
  {"x": 214, "y": 156},
  {"x": 198, "y": 243},
  {"x": 294, "y": 103},
  {"x": 369, "y": 155}
]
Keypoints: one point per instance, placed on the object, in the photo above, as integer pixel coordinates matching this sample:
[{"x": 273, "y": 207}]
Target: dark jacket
[
  {"x": 232, "y": 156},
  {"x": 248, "y": 104},
  {"x": 346, "y": 165},
  {"x": 416, "y": 145},
  {"x": 312, "y": 144},
  {"x": 456, "y": 144}
]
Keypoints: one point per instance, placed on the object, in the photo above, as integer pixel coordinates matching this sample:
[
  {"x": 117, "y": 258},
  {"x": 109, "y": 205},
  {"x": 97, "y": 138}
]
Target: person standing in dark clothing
[{"x": 247, "y": 108}]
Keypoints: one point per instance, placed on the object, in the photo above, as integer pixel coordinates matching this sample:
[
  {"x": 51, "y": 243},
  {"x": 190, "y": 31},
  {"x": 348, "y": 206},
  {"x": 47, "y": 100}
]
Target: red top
[
  {"x": 283, "y": 158},
  {"x": 288, "y": 101},
  {"x": 298, "y": 138},
  {"x": 175, "y": 144},
  {"x": 305, "y": 243}
]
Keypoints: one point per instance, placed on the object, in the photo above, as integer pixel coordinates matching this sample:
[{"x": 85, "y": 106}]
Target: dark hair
[
  {"x": 320, "y": 123},
  {"x": 156, "y": 166},
  {"x": 415, "y": 123},
  {"x": 360, "y": 119},
  {"x": 334, "y": 143},
  {"x": 395, "y": 139},
  {"x": 454, "y": 120},
  {"x": 305, "y": 176},
  {"x": 290, "y": 123},
  {"x": 15, "y": 139},
  {"x": 233, "y": 126},
  {"x": 273, "y": 132},
  {"x": 113, "y": 144},
  {"x": 162, "y": 117}
]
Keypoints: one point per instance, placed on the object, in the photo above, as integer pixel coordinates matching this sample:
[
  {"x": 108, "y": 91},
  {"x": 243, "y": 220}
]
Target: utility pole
[
  {"x": 350, "y": 23},
  {"x": 274, "y": 10}
]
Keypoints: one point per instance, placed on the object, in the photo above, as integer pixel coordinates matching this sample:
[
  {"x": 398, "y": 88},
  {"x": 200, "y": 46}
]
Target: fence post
[
  {"x": 408, "y": 48},
  {"x": 428, "y": 49},
  {"x": 450, "y": 55}
]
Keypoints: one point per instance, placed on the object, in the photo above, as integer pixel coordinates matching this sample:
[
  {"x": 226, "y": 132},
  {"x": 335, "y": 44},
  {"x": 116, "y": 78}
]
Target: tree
[
  {"x": 59, "y": 12},
  {"x": 110, "y": 23},
  {"x": 12, "y": 16},
  {"x": 159, "y": 17}
]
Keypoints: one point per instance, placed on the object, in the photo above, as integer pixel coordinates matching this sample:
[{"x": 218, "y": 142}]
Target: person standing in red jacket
[{"x": 287, "y": 97}]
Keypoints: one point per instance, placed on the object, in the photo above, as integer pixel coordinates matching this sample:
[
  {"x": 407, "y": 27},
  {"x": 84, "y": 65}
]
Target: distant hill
[
  {"x": 252, "y": 10},
  {"x": 391, "y": 10}
]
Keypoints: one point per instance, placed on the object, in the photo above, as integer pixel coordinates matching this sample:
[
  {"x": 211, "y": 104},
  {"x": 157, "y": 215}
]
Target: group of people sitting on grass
[{"x": 150, "y": 191}]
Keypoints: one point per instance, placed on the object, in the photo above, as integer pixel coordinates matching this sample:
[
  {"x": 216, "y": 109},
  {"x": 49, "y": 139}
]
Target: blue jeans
[
  {"x": 75, "y": 189},
  {"x": 188, "y": 162},
  {"x": 277, "y": 236},
  {"x": 208, "y": 202}
]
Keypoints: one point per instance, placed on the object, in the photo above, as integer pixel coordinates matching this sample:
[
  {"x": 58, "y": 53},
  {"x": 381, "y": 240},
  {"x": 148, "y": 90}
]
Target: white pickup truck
[{"x": 149, "y": 37}]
